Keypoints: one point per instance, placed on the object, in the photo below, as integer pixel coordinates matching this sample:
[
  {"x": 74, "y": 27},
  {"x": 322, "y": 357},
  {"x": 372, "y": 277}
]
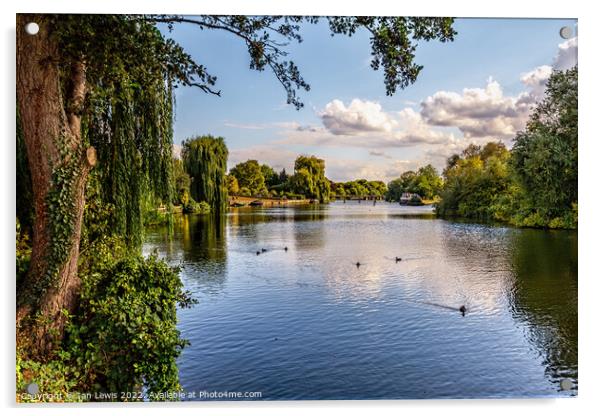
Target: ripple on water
[{"x": 308, "y": 324}]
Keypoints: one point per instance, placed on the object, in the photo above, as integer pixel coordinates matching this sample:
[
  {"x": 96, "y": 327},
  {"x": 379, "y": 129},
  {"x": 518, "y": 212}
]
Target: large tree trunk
[{"x": 59, "y": 167}]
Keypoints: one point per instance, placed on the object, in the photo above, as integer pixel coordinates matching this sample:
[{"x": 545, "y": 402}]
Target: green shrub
[
  {"x": 193, "y": 207},
  {"x": 124, "y": 335},
  {"x": 156, "y": 217},
  {"x": 56, "y": 380}
]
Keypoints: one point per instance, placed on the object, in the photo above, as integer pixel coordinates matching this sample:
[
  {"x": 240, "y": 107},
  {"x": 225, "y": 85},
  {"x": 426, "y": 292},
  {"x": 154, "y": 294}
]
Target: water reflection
[
  {"x": 307, "y": 323},
  {"x": 544, "y": 296}
]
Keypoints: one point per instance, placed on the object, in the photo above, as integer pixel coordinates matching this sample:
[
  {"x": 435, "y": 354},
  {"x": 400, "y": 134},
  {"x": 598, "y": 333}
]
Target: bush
[
  {"x": 55, "y": 377},
  {"x": 193, "y": 207},
  {"x": 124, "y": 336},
  {"x": 156, "y": 217}
]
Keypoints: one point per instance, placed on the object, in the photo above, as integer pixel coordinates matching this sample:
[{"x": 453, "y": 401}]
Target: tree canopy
[
  {"x": 309, "y": 178},
  {"x": 425, "y": 182},
  {"x": 535, "y": 183},
  {"x": 544, "y": 155},
  {"x": 205, "y": 160},
  {"x": 249, "y": 176}
]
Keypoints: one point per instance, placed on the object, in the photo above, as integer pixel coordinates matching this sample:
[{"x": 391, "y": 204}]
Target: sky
[{"x": 478, "y": 88}]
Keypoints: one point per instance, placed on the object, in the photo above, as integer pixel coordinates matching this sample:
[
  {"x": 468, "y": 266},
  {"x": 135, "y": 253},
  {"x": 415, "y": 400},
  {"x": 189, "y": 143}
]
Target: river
[{"x": 309, "y": 323}]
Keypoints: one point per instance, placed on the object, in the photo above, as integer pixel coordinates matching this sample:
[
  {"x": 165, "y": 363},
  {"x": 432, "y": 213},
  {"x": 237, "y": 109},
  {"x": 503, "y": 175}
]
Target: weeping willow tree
[
  {"x": 130, "y": 126},
  {"x": 92, "y": 91},
  {"x": 97, "y": 90},
  {"x": 205, "y": 160}
]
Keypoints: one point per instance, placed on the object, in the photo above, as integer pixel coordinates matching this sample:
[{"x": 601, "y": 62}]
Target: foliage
[
  {"x": 475, "y": 181},
  {"x": 232, "y": 183},
  {"x": 250, "y": 177},
  {"x": 544, "y": 156},
  {"x": 394, "y": 41},
  {"x": 205, "y": 160},
  {"x": 131, "y": 70},
  {"x": 23, "y": 251},
  {"x": 309, "y": 178},
  {"x": 392, "y": 45},
  {"x": 156, "y": 217},
  {"x": 61, "y": 200},
  {"x": 283, "y": 177},
  {"x": 180, "y": 183},
  {"x": 534, "y": 185},
  {"x": 426, "y": 182},
  {"x": 193, "y": 207},
  {"x": 57, "y": 380},
  {"x": 127, "y": 320},
  {"x": 360, "y": 188},
  {"x": 270, "y": 176}
]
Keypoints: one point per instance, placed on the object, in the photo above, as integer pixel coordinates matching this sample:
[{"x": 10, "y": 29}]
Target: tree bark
[{"x": 52, "y": 134}]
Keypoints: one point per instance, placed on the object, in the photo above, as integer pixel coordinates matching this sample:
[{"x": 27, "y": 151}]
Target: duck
[
  {"x": 397, "y": 259},
  {"x": 263, "y": 250}
]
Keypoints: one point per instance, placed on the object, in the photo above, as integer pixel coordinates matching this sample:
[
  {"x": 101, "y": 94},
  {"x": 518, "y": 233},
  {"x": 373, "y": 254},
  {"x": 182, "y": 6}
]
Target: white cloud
[
  {"x": 342, "y": 170},
  {"x": 360, "y": 116},
  {"x": 536, "y": 80},
  {"x": 477, "y": 112},
  {"x": 567, "y": 54}
]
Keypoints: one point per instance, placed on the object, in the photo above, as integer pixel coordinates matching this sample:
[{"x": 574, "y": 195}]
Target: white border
[{"x": 589, "y": 233}]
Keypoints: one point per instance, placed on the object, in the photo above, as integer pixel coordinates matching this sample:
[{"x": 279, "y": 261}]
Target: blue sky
[{"x": 478, "y": 88}]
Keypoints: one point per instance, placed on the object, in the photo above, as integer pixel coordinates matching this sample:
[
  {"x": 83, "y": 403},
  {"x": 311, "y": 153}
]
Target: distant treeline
[
  {"x": 425, "y": 182},
  {"x": 534, "y": 184}
]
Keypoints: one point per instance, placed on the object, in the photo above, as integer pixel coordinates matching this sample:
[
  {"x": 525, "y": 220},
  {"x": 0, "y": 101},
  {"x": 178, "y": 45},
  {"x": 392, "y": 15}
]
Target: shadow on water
[
  {"x": 536, "y": 271},
  {"x": 246, "y": 216},
  {"x": 544, "y": 296},
  {"x": 203, "y": 250}
]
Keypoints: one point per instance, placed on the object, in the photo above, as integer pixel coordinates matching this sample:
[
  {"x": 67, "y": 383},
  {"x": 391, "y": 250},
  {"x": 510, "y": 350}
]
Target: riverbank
[{"x": 241, "y": 201}]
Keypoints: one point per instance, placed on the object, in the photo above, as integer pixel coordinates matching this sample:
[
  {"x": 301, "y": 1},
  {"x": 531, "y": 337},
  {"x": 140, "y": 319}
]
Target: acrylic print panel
[{"x": 194, "y": 222}]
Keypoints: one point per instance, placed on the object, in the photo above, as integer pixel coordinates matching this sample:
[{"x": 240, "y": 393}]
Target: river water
[{"x": 309, "y": 323}]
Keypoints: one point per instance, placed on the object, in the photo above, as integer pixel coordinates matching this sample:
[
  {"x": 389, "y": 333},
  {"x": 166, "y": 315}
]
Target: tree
[
  {"x": 76, "y": 108},
  {"x": 249, "y": 176},
  {"x": 232, "y": 182},
  {"x": 269, "y": 175},
  {"x": 205, "y": 159},
  {"x": 309, "y": 178},
  {"x": 180, "y": 183},
  {"x": 100, "y": 87},
  {"x": 283, "y": 176},
  {"x": 544, "y": 155},
  {"x": 428, "y": 183},
  {"x": 394, "y": 190},
  {"x": 476, "y": 182}
]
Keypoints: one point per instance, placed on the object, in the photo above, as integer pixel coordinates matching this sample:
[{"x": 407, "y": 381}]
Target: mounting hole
[
  {"x": 32, "y": 28},
  {"x": 566, "y": 32},
  {"x": 566, "y": 384}
]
